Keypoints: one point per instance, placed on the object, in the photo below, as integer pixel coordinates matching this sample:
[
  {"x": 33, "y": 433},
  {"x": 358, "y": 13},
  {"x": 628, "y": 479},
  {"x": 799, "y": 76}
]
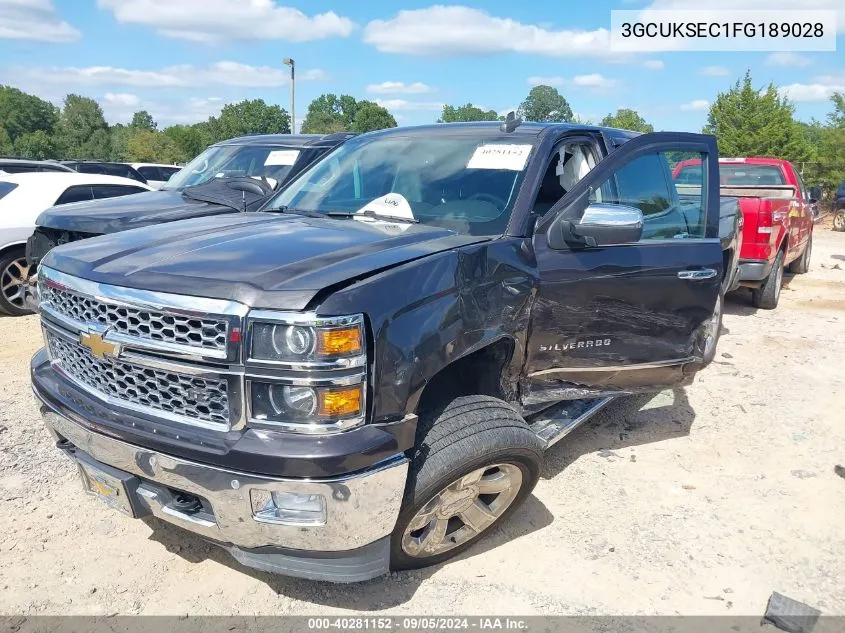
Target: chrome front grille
[
  {"x": 150, "y": 325},
  {"x": 178, "y": 395}
]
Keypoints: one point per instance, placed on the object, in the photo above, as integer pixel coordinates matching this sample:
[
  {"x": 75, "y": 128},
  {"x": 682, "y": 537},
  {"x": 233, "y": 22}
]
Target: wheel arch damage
[{"x": 436, "y": 318}]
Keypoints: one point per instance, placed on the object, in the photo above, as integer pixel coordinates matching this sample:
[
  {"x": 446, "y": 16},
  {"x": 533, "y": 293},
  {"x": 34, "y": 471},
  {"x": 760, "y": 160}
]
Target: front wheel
[
  {"x": 474, "y": 463},
  {"x": 14, "y": 277},
  {"x": 839, "y": 220}
]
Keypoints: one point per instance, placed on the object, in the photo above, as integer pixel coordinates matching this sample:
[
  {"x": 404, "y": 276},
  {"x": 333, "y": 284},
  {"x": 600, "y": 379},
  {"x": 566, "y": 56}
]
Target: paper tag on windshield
[
  {"x": 282, "y": 157},
  {"x": 500, "y": 156}
]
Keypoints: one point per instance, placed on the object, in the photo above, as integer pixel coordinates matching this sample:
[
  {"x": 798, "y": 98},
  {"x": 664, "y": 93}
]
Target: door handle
[{"x": 696, "y": 275}]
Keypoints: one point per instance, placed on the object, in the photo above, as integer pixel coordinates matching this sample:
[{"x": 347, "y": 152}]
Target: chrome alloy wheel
[
  {"x": 13, "y": 281},
  {"x": 711, "y": 332},
  {"x": 462, "y": 510}
]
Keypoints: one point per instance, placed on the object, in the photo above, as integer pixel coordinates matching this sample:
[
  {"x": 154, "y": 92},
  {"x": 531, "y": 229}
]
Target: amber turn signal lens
[
  {"x": 340, "y": 402},
  {"x": 339, "y": 342}
]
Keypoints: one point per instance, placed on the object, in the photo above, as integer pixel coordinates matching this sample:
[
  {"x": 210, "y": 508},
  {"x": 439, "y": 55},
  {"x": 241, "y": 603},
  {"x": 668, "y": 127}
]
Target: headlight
[
  {"x": 306, "y": 373},
  {"x": 317, "y": 409},
  {"x": 302, "y": 340}
]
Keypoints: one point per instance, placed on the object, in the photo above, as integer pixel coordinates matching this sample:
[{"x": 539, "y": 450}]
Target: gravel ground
[{"x": 698, "y": 501}]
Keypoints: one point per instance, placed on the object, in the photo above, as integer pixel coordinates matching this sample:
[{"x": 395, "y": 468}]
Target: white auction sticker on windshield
[
  {"x": 500, "y": 156},
  {"x": 282, "y": 157}
]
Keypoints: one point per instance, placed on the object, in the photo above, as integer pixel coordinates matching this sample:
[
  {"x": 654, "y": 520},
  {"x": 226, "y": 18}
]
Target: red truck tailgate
[{"x": 764, "y": 211}]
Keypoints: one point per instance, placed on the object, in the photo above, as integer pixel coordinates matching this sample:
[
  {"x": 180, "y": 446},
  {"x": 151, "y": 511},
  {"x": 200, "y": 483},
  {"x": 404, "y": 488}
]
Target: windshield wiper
[
  {"x": 369, "y": 213},
  {"x": 292, "y": 211}
]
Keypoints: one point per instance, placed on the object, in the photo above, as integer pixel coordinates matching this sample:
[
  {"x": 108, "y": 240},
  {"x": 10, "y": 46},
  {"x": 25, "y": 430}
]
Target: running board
[{"x": 556, "y": 422}]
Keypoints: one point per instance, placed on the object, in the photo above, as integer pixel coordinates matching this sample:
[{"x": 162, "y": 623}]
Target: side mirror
[
  {"x": 815, "y": 194},
  {"x": 601, "y": 225}
]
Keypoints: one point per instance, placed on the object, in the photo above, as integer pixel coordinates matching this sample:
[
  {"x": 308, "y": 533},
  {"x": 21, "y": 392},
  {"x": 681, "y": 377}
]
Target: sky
[{"x": 182, "y": 60}]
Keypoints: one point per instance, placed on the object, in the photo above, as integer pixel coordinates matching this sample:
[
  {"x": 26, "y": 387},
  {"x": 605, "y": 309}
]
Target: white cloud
[
  {"x": 459, "y": 30},
  {"x": 594, "y": 80},
  {"x": 122, "y": 99},
  {"x": 165, "y": 112},
  {"x": 398, "y": 88},
  {"x": 697, "y": 104},
  {"x": 787, "y": 59},
  {"x": 715, "y": 71},
  {"x": 654, "y": 64},
  {"x": 402, "y": 104},
  {"x": 226, "y": 73},
  {"x": 821, "y": 89},
  {"x": 227, "y": 20},
  {"x": 546, "y": 81},
  {"x": 34, "y": 20}
]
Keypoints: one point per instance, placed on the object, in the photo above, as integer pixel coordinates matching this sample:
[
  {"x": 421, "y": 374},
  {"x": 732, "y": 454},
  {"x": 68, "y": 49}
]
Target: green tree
[
  {"x": 330, "y": 113},
  {"x": 21, "y": 113},
  {"x": 371, "y": 116},
  {"x": 627, "y": 119},
  {"x": 6, "y": 148},
  {"x": 82, "y": 131},
  {"x": 826, "y": 166},
  {"x": 143, "y": 120},
  {"x": 545, "y": 103},
  {"x": 837, "y": 117},
  {"x": 250, "y": 117},
  {"x": 191, "y": 140},
  {"x": 752, "y": 122},
  {"x": 465, "y": 114},
  {"x": 147, "y": 146},
  {"x": 37, "y": 145}
]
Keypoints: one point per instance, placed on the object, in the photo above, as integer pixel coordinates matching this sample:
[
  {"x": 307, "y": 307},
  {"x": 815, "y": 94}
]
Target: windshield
[
  {"x": 464, "y": 183},
  {"x": 268, "y": 163}
]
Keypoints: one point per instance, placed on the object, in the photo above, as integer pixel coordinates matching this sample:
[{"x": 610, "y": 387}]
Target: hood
[
  {"x": 268, "y": 260},
  {"x": 127, "y": 212}
]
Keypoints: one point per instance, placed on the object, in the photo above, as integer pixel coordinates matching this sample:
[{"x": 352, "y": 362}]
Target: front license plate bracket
[{"x": 115, "y": 488}]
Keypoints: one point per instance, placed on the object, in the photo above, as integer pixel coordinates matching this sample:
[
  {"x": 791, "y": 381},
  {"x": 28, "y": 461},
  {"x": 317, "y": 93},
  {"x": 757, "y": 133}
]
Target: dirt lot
[{"x": 700, "y": 501}]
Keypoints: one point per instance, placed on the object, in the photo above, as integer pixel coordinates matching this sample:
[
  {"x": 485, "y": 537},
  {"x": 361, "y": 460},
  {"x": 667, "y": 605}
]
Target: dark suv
[
  {"x": 234, "y": 175},
  {"x": 108, "y": 169}
]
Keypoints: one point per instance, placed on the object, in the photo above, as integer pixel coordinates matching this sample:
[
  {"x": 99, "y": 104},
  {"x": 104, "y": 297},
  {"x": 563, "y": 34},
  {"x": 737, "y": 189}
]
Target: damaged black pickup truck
[{"x": 365, "y": 375}]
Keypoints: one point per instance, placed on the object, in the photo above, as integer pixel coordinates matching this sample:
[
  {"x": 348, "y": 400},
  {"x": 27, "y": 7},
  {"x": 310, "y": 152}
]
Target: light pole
[{"x": 288, "y": 61}]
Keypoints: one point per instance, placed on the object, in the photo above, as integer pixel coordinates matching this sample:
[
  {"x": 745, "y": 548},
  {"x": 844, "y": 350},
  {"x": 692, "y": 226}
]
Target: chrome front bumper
[{"x": 362, "y": 508}]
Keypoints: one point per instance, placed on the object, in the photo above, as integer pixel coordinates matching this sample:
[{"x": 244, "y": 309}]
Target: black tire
[
  {"x": 802, "y": 264},
  {"x": 766, "y": 297},
  {"x": 7, "y": 275},
  {"x": 469, "y": 433},
  {"x": 710, "y": 354}
]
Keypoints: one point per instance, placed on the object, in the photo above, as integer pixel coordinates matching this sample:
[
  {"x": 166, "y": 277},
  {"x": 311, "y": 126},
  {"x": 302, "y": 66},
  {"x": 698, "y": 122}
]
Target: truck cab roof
[
  {"x": 290, "y": 140},
  {"x": 527, "y": 130}
]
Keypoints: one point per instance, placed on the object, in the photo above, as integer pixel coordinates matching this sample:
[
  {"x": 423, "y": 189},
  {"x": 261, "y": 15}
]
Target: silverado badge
[{"x": 99, "y": 347}]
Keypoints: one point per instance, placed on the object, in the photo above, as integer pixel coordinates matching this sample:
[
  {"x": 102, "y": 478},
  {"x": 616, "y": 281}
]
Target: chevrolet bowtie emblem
[{"x": 99, "y": 348}]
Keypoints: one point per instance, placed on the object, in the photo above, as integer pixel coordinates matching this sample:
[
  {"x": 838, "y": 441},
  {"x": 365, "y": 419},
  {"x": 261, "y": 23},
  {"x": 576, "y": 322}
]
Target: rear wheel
[
  {"x": 712, "y": 330},
  {"x": 475, "y": 463},
  {"x": 14, "y": 276},
  {"x": 839, "y": 220},
  {"x": 767, "y": 295},
  {"x": 802, "y": 264}
]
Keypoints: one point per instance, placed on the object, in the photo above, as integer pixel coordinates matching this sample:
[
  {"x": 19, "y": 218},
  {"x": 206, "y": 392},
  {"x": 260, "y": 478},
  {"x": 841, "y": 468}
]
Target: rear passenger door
[{"x": 629, "y": 317}]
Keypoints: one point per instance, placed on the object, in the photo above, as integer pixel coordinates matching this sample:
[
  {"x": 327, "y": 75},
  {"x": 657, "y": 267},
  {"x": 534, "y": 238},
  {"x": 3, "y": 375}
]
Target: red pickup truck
[{"x": 778, "y": 220}]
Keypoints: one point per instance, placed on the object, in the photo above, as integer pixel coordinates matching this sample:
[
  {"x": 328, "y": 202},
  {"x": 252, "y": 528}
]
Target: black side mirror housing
[{"x": 601, "y": 225}]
